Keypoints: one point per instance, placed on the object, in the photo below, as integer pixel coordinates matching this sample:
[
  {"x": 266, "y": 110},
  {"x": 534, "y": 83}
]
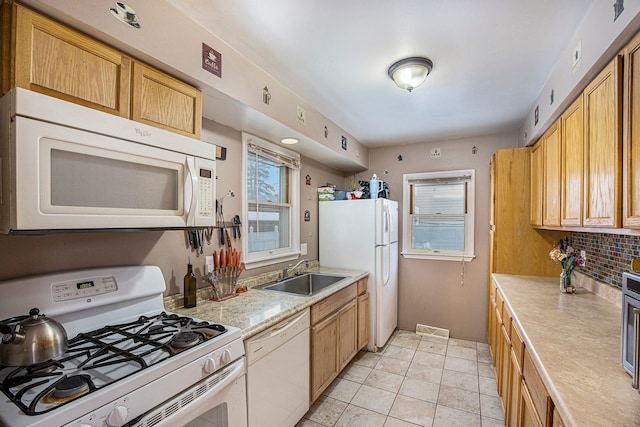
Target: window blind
[{"x": 278, "y": 158}]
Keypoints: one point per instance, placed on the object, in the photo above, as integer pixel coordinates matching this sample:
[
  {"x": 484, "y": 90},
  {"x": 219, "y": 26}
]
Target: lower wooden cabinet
[
  {"x": 515, "y": 391},
  {"x": 491, "y": 322},
  {"x": 334, "y": 337},
  {"x": 541, "y": 400},
  {"x": 364, "y": 314},
  {"x": 347, "y": 333},
  {"x": 523, "y": 395},
  {"x": 528, "y": 415},
  {"x": 324, "y": 355},
  {"x": 505, "y": 366},
  {"x": 557, "y": 420}
]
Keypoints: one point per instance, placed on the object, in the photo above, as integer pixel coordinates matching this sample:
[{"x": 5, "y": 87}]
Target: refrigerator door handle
[
  {"x": 387, "y": 224},
  {"x": 388, "y": 276},
  {"x": 387, "y": 260}
]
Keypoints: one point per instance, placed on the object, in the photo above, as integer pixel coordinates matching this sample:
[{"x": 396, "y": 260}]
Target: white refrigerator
[{"x": 363, "y": 235}]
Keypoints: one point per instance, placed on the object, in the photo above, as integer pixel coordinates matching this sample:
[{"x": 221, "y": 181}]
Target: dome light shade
[
  {"x": 289, "y": 140},
  {"x": 409, "y": 73}
]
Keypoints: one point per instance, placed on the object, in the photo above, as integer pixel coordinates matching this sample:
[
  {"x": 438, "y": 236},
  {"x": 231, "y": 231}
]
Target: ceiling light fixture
[
  {"x": 289, "y": 140},
  {"x": 409, "y": 73}
]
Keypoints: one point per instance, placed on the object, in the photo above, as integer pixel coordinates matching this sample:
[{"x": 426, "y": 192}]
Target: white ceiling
[{"x": 491, "y": 58}]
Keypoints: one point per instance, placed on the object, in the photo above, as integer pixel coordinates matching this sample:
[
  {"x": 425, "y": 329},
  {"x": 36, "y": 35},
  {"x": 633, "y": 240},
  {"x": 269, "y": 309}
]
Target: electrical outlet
[
  {"x": 576, "y": 57},
  {"x": 583, "y": 254},
  {"x": 436, "y": 152},
  {"x": 303, "y": 248}
]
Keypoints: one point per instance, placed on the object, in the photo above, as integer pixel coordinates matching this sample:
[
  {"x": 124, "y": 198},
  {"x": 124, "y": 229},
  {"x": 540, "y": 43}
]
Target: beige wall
[
  {"x": 28, "y": 255},
  {"x": 431, "y": 292}
]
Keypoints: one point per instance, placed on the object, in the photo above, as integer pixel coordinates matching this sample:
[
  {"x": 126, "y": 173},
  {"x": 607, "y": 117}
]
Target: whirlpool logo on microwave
[{"x": 143, "y": 133}]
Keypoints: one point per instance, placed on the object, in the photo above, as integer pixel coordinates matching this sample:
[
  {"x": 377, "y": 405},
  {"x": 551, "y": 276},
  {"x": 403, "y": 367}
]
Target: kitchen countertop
[
  {"x": 574, "y": 340},
  {"x": 256, "y": 310}
]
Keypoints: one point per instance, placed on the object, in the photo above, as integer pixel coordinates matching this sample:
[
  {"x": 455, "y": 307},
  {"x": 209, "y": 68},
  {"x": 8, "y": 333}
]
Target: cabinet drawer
[
  {"x": 333, "y": 303},
  {"x": 362, "y": 286},
  {"x": 539, "y": 395},
  {"x": 506, "y": 320},
  {"x": 492, "y": 291},
  {"x": 517, "y": 344},
  {"x": 499, "y": 304}
]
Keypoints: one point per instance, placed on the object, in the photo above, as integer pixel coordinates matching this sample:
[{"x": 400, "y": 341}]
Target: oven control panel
[{"x": 63, "y": 291}]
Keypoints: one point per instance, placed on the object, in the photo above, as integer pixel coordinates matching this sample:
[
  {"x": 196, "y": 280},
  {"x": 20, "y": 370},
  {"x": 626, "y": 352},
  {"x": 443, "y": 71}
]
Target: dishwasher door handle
[{"x": 280, "y": 330}]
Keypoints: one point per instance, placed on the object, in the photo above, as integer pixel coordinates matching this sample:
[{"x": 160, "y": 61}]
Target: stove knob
[
  {"x": 210, "y": 365},
  {"x": 225, "y": 357},
  {"x": 118, "y": 416}
]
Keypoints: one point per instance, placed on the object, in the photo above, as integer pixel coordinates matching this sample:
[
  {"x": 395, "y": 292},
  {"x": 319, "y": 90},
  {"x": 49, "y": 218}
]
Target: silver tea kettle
[{"x": 34, "y": 339}]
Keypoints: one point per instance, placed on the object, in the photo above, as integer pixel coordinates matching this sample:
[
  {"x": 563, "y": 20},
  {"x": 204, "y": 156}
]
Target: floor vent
[{"x": 432, "y": 331}]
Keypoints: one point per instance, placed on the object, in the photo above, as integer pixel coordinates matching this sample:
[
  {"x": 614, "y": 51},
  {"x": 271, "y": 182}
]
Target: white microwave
[{"x": 67, "y": 167}]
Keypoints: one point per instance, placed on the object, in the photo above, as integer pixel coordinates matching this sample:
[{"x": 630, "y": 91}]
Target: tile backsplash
[{"x": 608, "y": 255}]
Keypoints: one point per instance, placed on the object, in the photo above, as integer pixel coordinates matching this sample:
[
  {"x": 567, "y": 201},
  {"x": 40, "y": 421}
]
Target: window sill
[
  {"x": 270, "y": 260},
  {"x": 437, "y": 257}
]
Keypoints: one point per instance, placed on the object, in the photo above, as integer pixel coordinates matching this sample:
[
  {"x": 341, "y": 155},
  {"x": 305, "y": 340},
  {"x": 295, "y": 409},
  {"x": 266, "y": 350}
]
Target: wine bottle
[{"x": 189, "y": 287}]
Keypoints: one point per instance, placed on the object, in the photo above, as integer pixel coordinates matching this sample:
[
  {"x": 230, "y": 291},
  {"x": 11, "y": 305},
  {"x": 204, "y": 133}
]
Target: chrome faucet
[{"x": 289, "y": 268}]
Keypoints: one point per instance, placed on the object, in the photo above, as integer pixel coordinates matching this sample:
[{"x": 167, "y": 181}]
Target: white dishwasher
[{"x": 278, "y": 373}]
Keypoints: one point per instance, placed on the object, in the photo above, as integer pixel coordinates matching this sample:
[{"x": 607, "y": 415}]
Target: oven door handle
[
  {"x": 192, "y": 408},
  {"x": 636, "y": 354}
]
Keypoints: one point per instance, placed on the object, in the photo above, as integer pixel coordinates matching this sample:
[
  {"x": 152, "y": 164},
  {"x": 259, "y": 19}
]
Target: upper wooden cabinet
[
  {"x": 551, "y": 170},
  {"x": 53, "y": 59},
  {"x": 511, "y": 178},
  {"x": 163, "y": 101},
  {"x": 571, "y": 131},
  {"x": 580, "y": 157},
  {"x": 537, "y": 176},
  {"x": 45, "y": 56},
  {"x": 603, "y": 148},
  {"x": 631, "y": 179}
]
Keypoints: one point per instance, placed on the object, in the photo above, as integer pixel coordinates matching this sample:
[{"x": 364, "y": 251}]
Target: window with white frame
[
  {"x": 270, "y": 202},
  {"x": 438, "y": 215}
]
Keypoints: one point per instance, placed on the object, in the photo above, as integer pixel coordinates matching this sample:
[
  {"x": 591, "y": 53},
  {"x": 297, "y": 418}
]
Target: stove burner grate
[{"x": 128, "y": 347}]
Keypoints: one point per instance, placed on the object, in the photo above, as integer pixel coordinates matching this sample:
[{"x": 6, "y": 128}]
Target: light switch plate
[{"x": 303, "y": 248}]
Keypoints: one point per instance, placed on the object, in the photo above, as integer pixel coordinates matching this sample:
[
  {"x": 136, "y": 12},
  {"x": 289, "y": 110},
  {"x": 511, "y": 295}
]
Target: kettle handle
[{"x": 8, "y": 333}]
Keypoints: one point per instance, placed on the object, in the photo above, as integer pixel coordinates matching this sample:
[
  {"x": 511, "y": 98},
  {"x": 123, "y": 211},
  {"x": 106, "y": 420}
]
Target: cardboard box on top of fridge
[
  {"x": 326, "y": 193},
  {"x": 326, "y": 190}
]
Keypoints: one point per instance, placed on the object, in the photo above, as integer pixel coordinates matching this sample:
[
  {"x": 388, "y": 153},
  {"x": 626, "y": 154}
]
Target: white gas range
[{"x": 128, "y": 362}]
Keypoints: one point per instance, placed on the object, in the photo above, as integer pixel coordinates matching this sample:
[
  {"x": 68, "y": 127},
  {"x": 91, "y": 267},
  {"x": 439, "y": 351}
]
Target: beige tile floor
[{"x": 414, "y": 381}]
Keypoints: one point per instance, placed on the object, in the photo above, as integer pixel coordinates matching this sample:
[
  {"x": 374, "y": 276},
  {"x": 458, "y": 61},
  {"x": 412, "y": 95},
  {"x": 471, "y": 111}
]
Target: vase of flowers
[{"x": 566, "y": 255}]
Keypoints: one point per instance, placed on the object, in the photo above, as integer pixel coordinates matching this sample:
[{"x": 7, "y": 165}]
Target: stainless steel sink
[{"x": 305, "y": 285}]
